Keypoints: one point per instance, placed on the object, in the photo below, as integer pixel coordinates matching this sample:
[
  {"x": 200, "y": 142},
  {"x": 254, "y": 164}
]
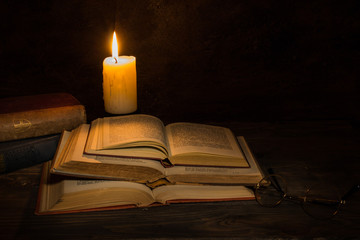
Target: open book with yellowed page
[
  {"x": 61, "y": 194},
  {"x": 73, "y": 158},
  {"x": 145, "y": 136}
]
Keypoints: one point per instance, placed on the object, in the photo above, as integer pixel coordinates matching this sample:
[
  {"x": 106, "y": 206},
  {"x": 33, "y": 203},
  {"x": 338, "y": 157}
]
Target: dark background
[
  {"x": 284, "y": 74},
  {"x": 196, "y": 60}
]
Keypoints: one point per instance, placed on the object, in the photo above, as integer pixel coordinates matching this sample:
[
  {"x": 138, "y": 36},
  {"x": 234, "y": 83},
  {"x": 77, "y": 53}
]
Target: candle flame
[{"x": 115, "y": 51}]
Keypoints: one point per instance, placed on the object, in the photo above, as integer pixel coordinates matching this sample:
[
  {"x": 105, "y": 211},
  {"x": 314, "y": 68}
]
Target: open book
[
  {"x": 60, "y": 194},
  {"x": 71, "y": 160},
  {"x": 145, "y": 136}
]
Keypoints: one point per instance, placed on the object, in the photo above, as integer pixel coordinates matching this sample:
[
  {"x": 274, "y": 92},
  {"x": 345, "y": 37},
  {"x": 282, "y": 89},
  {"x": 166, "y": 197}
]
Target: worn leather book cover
[
  {"x": 23, "y": 153},
  {"x": 39, "y": 115}
]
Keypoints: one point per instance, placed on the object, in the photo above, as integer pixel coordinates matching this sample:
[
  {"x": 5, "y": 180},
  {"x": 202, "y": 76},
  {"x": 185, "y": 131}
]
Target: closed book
[
  {"x": 23, "y": 153},
  {"x": 39, "y": 115}
]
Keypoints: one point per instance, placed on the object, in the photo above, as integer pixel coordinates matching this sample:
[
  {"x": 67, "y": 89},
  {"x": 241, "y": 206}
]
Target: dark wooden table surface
[{"x": 306, "y": 153}]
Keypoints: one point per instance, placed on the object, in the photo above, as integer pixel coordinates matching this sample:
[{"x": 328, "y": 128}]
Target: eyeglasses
[{"x": 319, "y": 203}]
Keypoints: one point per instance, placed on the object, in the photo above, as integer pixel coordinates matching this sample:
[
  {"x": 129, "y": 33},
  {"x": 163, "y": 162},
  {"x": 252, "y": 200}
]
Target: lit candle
[{"x": 119, "y": 82}]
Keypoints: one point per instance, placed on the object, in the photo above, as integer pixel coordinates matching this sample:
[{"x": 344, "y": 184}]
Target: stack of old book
[
  {"x": 136, "y": 161},
  {"x": 30, "y": 127}
]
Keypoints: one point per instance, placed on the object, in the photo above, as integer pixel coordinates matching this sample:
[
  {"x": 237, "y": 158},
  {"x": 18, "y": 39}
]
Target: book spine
[
  {"x": 28, "y": 124},
  {"x": 19, "y": 154}
]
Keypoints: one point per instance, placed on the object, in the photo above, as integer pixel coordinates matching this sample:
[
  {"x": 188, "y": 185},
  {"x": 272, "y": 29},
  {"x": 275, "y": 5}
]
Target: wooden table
[{"x": 304, "y": 152}]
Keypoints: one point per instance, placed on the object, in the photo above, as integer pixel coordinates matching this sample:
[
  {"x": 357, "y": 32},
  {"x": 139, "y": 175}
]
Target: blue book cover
[{"x": 24, "y": 153}]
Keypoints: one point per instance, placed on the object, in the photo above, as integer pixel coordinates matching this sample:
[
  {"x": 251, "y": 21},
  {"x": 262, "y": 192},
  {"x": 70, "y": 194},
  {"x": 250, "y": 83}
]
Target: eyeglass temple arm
[
  {"x": 329, "y": 202},
  {"x": 353, "y": 190}
]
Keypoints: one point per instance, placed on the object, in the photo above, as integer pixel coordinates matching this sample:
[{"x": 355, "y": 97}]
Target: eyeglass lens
[
  {"x": 271, "y": 190},
  {"x": 322, "y": 202}
]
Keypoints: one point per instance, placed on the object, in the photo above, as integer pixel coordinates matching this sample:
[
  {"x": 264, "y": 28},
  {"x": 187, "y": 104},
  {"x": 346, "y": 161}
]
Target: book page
[
  {"x": 79, "y": 155},
  {"x": 63, "y": 147},
  {"x": 201, "y": 138},
  {"x": 253, "y": 168},
  {"x": 210, "y": 171},
  {"x": 167, "y": 193},
  {"x": 84, "y": 194},
  {"x": 78, "y": 185},
  {"x": 93, "y": 135},
  {"x": 132, "y": 128},
  {"x": 51, "y": 188}
]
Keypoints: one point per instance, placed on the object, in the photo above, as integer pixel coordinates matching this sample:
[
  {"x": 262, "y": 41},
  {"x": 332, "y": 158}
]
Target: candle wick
[{"x": 115, "y": 59}]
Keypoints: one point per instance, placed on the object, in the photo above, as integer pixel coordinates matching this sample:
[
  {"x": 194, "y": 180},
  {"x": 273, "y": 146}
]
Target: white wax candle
[{"x": 119, "y": 83}]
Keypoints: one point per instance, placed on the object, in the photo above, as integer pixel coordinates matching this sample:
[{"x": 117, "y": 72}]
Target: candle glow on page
[{"x": 119, "y": 82}]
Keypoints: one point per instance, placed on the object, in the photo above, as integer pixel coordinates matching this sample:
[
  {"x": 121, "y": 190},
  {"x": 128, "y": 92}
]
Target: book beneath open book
[
  {"x": 61, "y": 194},
  {"x": 82, "y": 152}
]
